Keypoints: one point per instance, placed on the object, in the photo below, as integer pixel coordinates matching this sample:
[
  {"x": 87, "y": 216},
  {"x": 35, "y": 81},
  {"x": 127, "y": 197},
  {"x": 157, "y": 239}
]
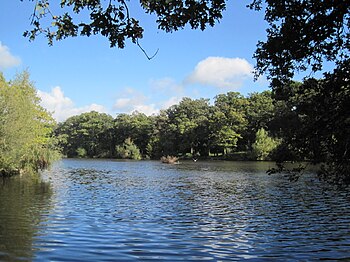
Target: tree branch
[{"x": 145, "y": 53}]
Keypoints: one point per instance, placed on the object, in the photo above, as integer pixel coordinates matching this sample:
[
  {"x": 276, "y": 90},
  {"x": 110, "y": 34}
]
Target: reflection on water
[
  {"x": 123, "y": 210},
  {"x": 23, "y": 202}
]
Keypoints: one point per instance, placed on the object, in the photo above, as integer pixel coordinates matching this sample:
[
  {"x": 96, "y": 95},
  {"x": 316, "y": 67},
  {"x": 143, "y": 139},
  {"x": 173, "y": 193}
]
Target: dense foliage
[
  {"x": 192, "y": 128},
  {"x": 261, "y": 126},
  {"x": 303, "y": 34},
  {"x": 114, "y": 19},
  {"x": 26, "y": 129},
  {"x": 128, "y": 150},
  {"x": 301, "y": 37},
  {"x": 86, "y": 135},
  {"x": 318, "y": 126}
]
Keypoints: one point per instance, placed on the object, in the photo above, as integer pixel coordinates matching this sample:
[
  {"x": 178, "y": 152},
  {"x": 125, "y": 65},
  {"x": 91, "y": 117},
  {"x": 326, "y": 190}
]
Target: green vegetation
[
  {"x": 301, "y": 37},
  {"x": 81, "y": 152},
  {"x": 192, "y": 128},
  {"x": 86, "y": 135},
  {"x": 264, "y": 145},
  {"x": 261, "y": 126},
  {"x": 26, "y": 129},
  {"x": 317, "y": 124},
  {"x": 128, "y": 150}
]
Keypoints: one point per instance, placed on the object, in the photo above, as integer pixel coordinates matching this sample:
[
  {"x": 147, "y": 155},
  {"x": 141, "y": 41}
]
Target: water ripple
[{"x": 127, "y": 211}]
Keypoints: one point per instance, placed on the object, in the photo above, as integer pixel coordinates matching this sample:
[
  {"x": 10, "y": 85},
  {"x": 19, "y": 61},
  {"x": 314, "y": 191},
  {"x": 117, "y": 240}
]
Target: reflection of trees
[
  {"x": 23, "y": 200},
  {"x": 220, "y": 203},
  {"x": 248, "y": 214}
]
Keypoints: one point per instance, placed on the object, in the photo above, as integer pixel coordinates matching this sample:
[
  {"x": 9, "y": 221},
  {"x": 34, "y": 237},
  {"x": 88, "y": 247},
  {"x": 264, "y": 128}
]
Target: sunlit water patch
[{"x": 99, "y": 210}]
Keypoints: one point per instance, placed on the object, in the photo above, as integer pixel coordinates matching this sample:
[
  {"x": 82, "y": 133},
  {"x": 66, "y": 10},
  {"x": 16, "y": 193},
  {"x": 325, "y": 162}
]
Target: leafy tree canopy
[
  {"x": 315, "y": 123},
  {"x": 114, "y": 19},
  {"x": 88, "y": 131},
  {"x": 137, "y": 127},
  {"x": 229, "y": 119},
  {"x": 303, "y": 34}
]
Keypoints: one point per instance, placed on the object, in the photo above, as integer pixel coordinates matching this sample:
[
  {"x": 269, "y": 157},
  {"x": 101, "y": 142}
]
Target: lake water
[{"x": 99, "y": 210}]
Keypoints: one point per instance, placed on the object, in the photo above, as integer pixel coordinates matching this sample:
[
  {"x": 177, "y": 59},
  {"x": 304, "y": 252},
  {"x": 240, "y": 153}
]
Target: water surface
[{"x": 99, "y": 210}]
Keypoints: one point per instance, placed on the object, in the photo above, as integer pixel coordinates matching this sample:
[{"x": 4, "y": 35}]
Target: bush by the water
[{"x": 128, "y": 150}]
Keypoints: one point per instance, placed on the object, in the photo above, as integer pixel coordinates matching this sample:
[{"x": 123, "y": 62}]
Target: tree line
[
  {"x": 233, "y": 125},
  {"x": 302, "y": 123},
  {"x": 308, "y": 121}
]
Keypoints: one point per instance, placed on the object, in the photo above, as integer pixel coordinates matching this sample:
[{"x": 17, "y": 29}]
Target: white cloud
[
  {"x": 146, "y": 109},
  {"x": 166, "y": 84},
  {"x": 123, "y": 103},
  {"x": 134, "y": 101},
  {"x": 169, "y": 88},
  {"x": 63, "y": 107},
  {"x": 221, "y": 72},
  {"x": 170, "y": 102},
  {"x": 7, "y": 60}
]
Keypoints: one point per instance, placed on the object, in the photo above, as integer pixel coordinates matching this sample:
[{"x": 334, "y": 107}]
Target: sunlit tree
[{"x": 26, "y": 130}]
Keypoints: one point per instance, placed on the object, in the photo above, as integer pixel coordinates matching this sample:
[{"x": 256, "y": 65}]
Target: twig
[
  {"x": 143, "y": 50},
  {"x": 34, "y": 13}
]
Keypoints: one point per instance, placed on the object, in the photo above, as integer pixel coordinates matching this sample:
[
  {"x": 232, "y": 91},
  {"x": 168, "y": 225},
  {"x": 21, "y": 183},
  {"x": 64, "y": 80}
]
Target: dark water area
[{"x": 99, "y": 210}]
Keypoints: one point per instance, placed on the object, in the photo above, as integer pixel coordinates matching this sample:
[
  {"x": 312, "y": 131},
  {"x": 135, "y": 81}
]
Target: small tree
[
  {"x": 128, "y": 150},
  {"x": 263, "y": 145}
]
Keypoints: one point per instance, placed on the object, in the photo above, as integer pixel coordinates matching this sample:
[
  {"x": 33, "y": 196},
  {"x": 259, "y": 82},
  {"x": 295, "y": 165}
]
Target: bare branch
[{"x": 143, "y": 50}]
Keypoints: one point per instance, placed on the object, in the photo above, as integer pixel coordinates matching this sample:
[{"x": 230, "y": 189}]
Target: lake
[{"x": 101, "y": 210}]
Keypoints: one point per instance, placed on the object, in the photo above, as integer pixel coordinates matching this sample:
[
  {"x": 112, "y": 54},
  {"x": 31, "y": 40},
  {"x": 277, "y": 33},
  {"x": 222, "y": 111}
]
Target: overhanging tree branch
[{"x": 145, "y": 53}]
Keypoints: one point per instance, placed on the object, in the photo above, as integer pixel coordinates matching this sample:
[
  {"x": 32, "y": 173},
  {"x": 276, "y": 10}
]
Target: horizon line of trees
[
  {"x": 193, "y": 128},
  {"x": 302, "y": 123}
]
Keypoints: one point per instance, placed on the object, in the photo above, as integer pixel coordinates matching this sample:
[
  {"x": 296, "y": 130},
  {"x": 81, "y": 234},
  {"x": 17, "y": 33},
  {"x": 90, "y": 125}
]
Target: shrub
[
  {"x": 264, "y": 145},
  {"x": 81, "y": 152},
  {"x": 128, "y": 150}
]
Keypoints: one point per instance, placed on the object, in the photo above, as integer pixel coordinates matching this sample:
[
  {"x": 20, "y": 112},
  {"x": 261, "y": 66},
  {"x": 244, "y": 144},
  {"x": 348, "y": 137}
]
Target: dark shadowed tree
[
  {"x": 314, "y": 123},
  {"x": 115, "y": 20},
  {"x": 301, "y": 37}
]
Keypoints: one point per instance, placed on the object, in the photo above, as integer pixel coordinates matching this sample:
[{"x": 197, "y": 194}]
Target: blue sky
[{"x": 83, "y": 74}]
